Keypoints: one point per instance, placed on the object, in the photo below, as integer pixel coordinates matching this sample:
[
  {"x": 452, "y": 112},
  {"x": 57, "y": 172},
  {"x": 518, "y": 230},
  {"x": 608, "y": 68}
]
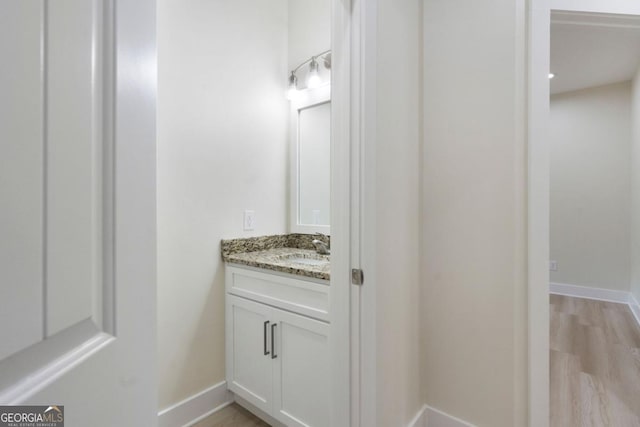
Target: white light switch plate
[
  {"x": 249, "y": 220},
  {"x": 553, "y": 265}
]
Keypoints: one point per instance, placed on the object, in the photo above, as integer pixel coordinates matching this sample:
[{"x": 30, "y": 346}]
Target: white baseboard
[
  {"x": 196, "y": 407},
  {"x": 599, "y": 294},
  {"x": 436, "y": 418},
  {"x": 431, "y": 417},
  {"x": 420, "y": 420},
  {"x": 258, "y": 413},
  {"x": 635, "y": 307},
  {"x": 589, "y": 293}
]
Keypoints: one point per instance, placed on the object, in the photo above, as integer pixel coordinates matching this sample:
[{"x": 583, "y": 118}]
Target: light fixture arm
[{"x": 315, "y": 57}]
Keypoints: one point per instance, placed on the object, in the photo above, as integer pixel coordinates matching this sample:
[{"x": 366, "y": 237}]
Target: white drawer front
[{"x": 300, "y": 296}]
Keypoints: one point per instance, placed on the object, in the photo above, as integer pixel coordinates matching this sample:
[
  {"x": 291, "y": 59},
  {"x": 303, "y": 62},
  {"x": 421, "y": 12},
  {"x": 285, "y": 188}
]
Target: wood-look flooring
[
  {"x": 595, "y": 364},
  {"x": 595, "y": 368},
  {"x": 232, "y": 416}
]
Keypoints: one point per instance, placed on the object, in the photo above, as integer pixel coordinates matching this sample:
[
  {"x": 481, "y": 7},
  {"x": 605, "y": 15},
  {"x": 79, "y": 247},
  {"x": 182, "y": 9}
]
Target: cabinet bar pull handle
[
  {"x": 273, "y": 337},
  {"x": 264, "y": 331}
]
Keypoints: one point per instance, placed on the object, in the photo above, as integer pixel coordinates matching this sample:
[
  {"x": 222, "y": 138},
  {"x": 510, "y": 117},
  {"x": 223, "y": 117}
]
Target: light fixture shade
[
  {"x": 313, "y": 79},
  {"x": 292, "y": 91},
  {"x": 551, "y": 75}
]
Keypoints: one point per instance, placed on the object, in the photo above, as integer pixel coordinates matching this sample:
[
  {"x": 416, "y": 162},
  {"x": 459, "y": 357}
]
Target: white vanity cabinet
[{"x": 277, "y": 354}]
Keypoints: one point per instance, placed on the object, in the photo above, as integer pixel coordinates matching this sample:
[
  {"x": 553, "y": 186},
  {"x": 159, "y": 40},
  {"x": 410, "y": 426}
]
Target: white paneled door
[{"x": 77, "y": 208}]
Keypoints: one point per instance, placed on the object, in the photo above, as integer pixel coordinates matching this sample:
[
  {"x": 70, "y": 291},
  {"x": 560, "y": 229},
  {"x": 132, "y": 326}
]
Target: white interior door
[{"x": 77, "y": 217}]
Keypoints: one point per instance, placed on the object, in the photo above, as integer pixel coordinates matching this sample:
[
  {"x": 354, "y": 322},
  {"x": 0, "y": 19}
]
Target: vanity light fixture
[
  {"x": 551, "y": 75},
  {"x": 313, "y": 74}
]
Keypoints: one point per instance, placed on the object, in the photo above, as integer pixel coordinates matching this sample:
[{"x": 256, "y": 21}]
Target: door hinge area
[{"x": 357, "y": 276}]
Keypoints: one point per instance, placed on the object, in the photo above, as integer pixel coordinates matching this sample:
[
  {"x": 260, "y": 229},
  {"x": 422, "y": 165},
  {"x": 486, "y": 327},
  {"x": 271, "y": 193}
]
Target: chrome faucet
[{"x": 321, "y": 247}]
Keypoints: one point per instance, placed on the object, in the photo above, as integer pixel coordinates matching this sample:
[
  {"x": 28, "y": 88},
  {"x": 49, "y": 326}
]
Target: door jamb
[
  {"x": 538, "y": 210},
  {"x": 344, "y": 310}
]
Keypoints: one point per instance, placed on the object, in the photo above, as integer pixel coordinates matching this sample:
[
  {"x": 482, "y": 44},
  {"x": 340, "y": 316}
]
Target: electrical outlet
[
  {"x": 249, "y": 220},
  {"x": 553, "y": 265}
]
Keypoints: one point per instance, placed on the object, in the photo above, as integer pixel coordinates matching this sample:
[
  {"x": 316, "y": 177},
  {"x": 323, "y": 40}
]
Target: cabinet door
[
  {"x": 301, "y": 371},
  {"x": 248, "y": 338}
]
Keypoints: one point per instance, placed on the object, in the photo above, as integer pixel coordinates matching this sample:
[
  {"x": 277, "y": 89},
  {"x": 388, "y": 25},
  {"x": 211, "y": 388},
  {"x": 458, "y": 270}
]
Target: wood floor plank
[
  {"x": 232, "y": 416},
  {"x": 594, "y": 402},
  {"x": 594, "y": 364},
  {"x": 564, "y": 396}
]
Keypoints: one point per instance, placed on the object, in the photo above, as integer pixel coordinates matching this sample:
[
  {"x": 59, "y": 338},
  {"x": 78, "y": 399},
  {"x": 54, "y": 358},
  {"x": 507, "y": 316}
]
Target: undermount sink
[
  {"x": 309, "y": 261},
  {"x": 314, "y": 260}
]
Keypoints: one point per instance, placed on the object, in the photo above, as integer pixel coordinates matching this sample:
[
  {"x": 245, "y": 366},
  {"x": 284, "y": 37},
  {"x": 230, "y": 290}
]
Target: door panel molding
[
  {"x": 69, "y": 341},
  {"x": 27, "y": 372},
  {"x": 73, "y": 171},
  {"x": 21, "y": 178}
]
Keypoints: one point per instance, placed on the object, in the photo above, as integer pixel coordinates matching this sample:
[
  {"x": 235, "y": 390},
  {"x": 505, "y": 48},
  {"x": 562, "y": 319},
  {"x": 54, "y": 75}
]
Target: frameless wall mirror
[{"x": 311, "y": 161}]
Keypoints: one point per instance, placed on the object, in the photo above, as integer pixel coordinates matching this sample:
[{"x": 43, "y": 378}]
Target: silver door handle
[
  {"x": 273, "y": 338},
  {"x": 264, "y": 332}
]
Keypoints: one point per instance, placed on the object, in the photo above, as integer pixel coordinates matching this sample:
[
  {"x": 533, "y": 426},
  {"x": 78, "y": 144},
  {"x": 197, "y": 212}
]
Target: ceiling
[{"x": 587, "y": 52}]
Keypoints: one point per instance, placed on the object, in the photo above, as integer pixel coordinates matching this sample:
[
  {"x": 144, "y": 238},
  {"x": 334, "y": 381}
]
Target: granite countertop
[{"x": 286, "y": 253}]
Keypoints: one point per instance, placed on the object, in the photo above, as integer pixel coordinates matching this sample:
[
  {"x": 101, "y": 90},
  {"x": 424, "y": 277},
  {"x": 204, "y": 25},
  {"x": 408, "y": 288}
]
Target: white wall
[
  {"x": 309, "y": 35},
  {"x": 473, "y": 304},
  {"x": 222, "y": 148},
  {"x": 394, "y": 202},
  {"x": 590, "y": 136},
  {"x": 630, "y": 7},
  {"x": 309, "y": 29},
  {"x": 635, "y": 188}
]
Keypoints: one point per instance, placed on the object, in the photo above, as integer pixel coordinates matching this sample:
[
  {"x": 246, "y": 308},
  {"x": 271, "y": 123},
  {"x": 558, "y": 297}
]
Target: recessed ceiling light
[{"x": 551, "y": 75}]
